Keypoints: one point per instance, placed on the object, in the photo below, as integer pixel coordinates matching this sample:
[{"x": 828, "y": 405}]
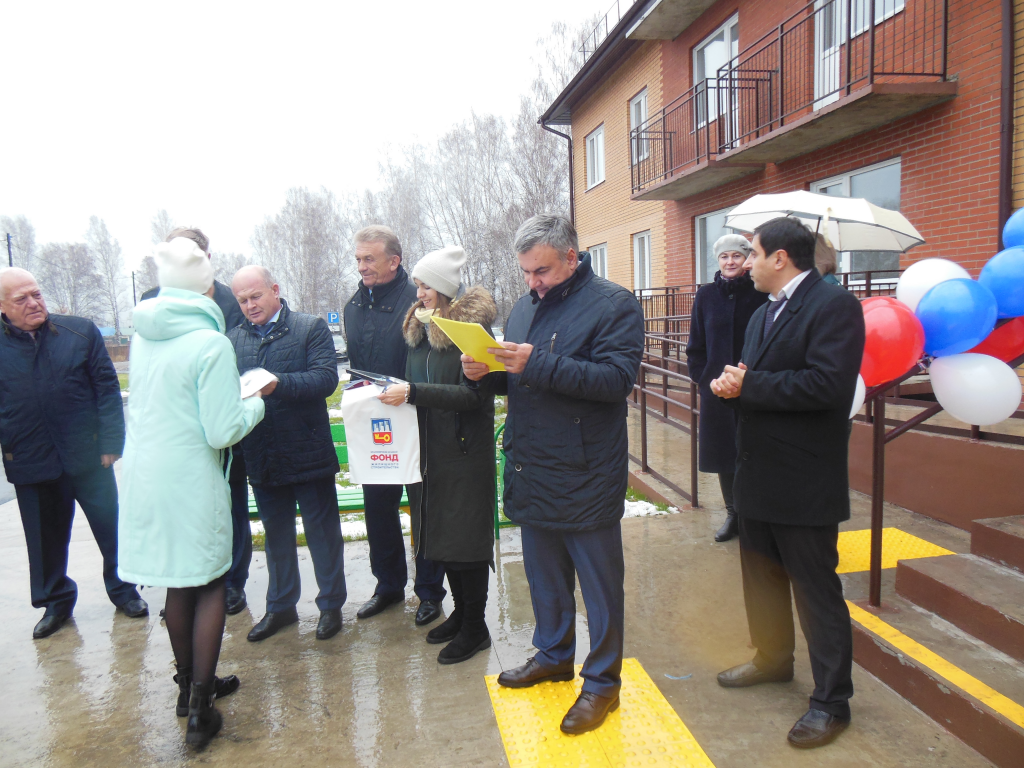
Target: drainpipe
[
  {"x": 572, "y": 196},
  {"x": 1006, "y": 121}
]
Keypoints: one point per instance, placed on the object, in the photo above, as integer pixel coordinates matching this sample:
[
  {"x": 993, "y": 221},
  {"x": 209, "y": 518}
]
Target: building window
[
  {"x": 599, "y": 259},
  {"x": 884, "y": 9},
  {"x": 595, "y": 157},
  {"x": 709, "y": 228},
  {"x": 721, "y": 48},
  {"x": 642, "y": 260},
  {"x": 878, "y": 184},
  {"x": 637, "y": 117}
]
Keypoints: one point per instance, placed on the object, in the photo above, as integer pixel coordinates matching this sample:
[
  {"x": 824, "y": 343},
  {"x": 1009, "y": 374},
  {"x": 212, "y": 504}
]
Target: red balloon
[
  {"x": 1006, "y": 342},
  {"x": 894, "y": 340}
]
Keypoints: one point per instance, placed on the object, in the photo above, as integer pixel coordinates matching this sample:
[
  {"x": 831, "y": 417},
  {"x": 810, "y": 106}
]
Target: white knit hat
[
  {"x": 440, "y": 270},
  {"x": 732, "y": 243},
  {"x": 183, "y": 264}
]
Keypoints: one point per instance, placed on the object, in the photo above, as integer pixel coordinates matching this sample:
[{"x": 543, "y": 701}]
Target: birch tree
[{"x": 109, "y": 267}]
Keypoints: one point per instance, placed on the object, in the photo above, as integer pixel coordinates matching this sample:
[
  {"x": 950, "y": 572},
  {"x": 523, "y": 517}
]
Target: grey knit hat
[
  {"x": 732, "y": 243},
  {"x": 440, "y": 270}
]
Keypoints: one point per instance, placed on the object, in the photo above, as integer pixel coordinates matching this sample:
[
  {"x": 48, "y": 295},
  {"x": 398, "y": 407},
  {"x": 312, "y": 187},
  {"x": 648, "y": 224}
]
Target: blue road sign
[{"x": 332, "y": 317}]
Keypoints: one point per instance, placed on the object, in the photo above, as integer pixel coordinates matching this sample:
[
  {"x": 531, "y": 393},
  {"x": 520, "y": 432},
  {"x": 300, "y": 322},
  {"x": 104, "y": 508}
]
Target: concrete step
[
  {"x": 1000, "y": 539},
  {"x": 984, "y": 599},
  {"x": 992, "y": 725}
]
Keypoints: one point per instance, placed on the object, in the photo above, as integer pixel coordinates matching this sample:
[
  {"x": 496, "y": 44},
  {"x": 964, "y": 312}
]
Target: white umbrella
[{"x": 850, "y": 223}]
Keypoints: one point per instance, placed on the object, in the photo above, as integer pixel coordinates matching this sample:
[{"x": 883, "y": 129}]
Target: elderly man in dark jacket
[
  {"x": 572, "y": 351},
  {"x": 241, "y": 539},
  {"x": 290, "y": 455},
  {"x": 62, "y": 429},
  {"x": 373, "y": 329}
]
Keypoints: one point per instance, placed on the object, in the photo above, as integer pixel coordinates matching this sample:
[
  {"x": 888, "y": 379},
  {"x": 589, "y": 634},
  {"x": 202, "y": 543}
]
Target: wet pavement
[{"x": 99, "y": 692}]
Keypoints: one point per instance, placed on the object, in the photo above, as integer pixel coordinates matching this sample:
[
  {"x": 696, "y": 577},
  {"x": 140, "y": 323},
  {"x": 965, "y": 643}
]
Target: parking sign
[{"x": 332, "y": 318}]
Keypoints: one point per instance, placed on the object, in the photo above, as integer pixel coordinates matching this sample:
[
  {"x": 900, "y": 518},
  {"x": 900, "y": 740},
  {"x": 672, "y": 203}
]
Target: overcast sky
[{"x": 213, "y": 110}]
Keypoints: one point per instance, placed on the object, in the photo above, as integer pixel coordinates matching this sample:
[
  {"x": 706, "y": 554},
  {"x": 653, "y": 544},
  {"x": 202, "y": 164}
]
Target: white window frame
[
  {"x": 640, "y": 146},
  {"x": 642, "y": 259},
  {"x": 843, "y": 257},
  {"x": 599, "y": 259},
  {"x": 731, "y": 30},
  {"x": 595, "y": 156},
  {"x": 884, "y": 9},
  {"x": 701, "y": 260}
]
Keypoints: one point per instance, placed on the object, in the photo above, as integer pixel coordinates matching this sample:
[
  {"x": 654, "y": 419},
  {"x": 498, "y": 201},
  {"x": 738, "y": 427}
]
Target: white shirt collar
[{"x": 790, "y": 288}]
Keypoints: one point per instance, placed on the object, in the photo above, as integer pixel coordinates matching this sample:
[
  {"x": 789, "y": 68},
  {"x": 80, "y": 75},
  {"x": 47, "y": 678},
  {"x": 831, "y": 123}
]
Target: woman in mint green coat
[{"x": 185, "y": 409}]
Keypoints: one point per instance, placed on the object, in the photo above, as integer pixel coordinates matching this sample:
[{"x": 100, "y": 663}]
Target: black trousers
[{"x": 775, "y": 556}]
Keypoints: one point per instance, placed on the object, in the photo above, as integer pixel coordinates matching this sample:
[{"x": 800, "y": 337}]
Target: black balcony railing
[{"x": 823, "y": 52}]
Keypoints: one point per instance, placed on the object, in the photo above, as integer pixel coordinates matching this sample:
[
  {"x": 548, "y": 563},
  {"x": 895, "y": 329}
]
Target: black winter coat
[
  {"x": 293, "y": 442},
  {"x": 453, "y": 508},
  {"x": 373, "y": 326},
  {"x": 721, "y": 311},
  {"x": 60, "y": 403},
  {"x": 233, "y": 317},
  {"x": 565, "y": 436},
  {"x": 794, "y": 407}
]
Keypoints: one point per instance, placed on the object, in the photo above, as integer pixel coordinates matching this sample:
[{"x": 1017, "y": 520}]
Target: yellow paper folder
[{"x": 472, "y": 339}]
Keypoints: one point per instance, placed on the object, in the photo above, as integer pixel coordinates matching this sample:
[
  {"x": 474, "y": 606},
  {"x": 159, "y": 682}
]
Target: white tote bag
[{"x": 383, "y": 440}]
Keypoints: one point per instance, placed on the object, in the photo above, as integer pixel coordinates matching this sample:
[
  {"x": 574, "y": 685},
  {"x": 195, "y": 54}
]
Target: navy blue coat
[
  {"x": 565, "y": 436},
  {"x": 721, "y": 311},
  {"x": 373, "y": 326},
  {"x": 60, "y": 403},
  {"x": 293, "y": 443}
]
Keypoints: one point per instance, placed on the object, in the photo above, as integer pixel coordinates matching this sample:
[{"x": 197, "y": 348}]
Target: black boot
[
  {"x": 203, "y": 718},
  {"x": 222, "y": 686},
  {"x": 449, "y": 628},
  {"x": 729, "y": 528},
  {"x": 473, "y": 636}
]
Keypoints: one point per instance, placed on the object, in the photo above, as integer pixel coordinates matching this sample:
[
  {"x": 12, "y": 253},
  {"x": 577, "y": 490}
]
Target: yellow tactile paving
[
  {"x": 855, "y": 549},
  {"x": 644, "y": 731}
]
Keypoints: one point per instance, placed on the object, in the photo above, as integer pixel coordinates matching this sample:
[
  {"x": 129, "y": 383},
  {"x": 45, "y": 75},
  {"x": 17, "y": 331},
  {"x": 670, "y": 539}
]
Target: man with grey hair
[
  {"x": 373, "y": 330},
  {"x": 289, "y": 456},
  {"x": 62, "y": 429},
  {"x": 572, "y": 350}
]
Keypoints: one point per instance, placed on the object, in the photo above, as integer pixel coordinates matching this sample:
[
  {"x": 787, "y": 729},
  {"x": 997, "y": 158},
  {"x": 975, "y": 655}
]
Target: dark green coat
[{"x": 453, "y": 508}]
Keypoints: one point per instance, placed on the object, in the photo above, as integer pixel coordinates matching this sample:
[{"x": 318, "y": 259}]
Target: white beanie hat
[
  {"x": 440, "y": 270},
  {"x": 732, "y": 243},
  {"x": 183, "y": 264}
]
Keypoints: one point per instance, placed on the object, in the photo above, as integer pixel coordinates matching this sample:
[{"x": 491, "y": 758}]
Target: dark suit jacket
[{"x": 793, "y": 433}]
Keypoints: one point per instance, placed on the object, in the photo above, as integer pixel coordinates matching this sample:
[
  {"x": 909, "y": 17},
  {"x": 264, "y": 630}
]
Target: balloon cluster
[{"x": 969, "y": 328}]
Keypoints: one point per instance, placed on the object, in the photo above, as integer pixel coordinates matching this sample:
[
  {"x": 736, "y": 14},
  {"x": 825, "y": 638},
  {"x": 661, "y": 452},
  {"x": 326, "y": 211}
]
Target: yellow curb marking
[
  {"x": 1008, "y": 708},
  {"x": 644, "y": 731},
  {"x": 855, "y": 549}
]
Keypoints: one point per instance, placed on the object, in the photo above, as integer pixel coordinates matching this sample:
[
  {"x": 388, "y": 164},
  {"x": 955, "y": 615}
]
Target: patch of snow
[
  {"x": 645, "y": 509},
  {"x": 334, "y": 413}
]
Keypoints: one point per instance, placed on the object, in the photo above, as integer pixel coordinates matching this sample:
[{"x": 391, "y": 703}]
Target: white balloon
[
  {"x": 921, "y": 276},
  {"x": 977, "y": 389},
  {"x": 858, "y": 396}
]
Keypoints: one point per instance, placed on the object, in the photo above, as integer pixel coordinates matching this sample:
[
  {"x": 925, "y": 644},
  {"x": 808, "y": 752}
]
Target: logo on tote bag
[{"x": 381, "y": 431}]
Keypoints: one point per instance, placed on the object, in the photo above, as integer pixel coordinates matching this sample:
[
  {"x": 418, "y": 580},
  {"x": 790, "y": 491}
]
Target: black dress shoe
[
  {"x": 378, "y": 603},
  {"x": 816, "y": 729},
  {"x": 532, "y": 673},
  {"x": 135, "y": 609},
  {"x": 745, "y": 675},
  {"x": 235, "y": 601},
  {"x": 588, "y": 712},
  {"x": 429, "y": 610},
  {"x": 729, "y": 528},
  {"x": 329, "y": 624},
  {"x": 272, "y": 622},
  {"x": 49, "y": 624}
]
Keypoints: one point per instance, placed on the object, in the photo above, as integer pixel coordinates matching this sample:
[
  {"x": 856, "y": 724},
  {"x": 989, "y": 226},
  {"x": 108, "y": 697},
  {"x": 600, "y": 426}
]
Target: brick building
[{"x": 685, "y": 108}]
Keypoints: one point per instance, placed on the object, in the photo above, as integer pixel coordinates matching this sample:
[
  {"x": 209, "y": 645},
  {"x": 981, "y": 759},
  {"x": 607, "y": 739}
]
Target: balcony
[{"x": 822, "y": 76}]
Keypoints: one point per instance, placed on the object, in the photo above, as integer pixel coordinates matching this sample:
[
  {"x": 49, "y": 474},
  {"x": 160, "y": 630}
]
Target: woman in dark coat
[
  {"x": 721, "y": 311},
  {"x": 453, "y": 508}
]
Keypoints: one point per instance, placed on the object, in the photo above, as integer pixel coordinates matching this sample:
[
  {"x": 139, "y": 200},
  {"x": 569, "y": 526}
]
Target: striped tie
[{"x": 774, "y": 307}]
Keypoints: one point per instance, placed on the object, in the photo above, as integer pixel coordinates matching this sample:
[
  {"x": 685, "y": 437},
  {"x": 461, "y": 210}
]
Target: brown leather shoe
[
  {"x": 532, "y": 673},
  {"x": 588, "y": 712},
  {"x": 748, "y": 674},
  {"x": 816, "y": 729}
]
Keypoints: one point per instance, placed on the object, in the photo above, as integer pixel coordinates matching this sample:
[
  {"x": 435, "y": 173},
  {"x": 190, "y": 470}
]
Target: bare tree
[
  {"x": 225, "y": 265},
  {"x": 23, "y": 240},
  {"x": 146, "y": 275},
  {"x": 110, "y": 267},
  {"x": 161, "y": 226},
  {"x": 70, "y": 282}
]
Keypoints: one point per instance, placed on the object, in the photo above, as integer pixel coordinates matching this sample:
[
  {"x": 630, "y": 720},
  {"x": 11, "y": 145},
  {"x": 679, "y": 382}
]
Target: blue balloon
[
  {"x": 1013, "y": 230},
  {"x": 956, "y": 315},
  {"x": 1004, "y": 276}
]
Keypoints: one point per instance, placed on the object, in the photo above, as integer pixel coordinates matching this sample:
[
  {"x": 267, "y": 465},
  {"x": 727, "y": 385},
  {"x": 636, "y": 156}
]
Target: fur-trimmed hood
[{"x": 475, "y": 306}]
